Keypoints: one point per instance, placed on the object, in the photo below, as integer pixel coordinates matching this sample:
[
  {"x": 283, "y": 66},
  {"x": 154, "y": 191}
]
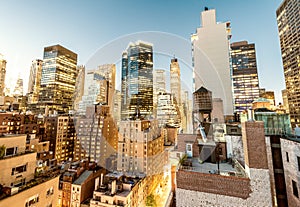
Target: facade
[
  {"x": 2, "y": 74},
  {"x": 20, "y": 185},
  {"x": 167, "y": 110},
  {"x": 211, "y": 58},
  {"x": 79, "y": 86},
  {"x": 175, "y": 82},
  {"x": 60, "y": 132},
  {"x": 117, "y": 106},
  {"x": 270, "y": 96},
  {"x": 137, "y": 80},
  {"x": 99, "y": 87},
  {"x": 288, "y": 26},
  {"x": 18, "y": 91},
  {"x": 159, "y": 86},
  {"x": 140, "y": 148},
  {"x": 58, "y": 79},
  {"x": 290, "y": 150},
  {"x": 97, "y": 137},
  {"x": 34, "y": 81},
  {"x": 285, "y": 100},
  {"x": 244, "y": 75}
]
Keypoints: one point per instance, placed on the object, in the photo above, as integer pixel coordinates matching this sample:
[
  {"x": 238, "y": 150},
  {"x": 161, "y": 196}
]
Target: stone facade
[{"x": 291, "y": 162}]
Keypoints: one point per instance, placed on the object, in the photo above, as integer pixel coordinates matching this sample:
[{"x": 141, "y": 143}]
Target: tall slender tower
[
  {"x": 2, "y": 74},
  {"x": 35, "y": 80},
  {"x": 211, "y": 58},
  {"x": 175, "y": 83},
  {"x": 288, "y": 20},
  {"x": 137, "y": 80},
  {"x": 244, "y": 75},
  {"x": 58, "y": 79}
]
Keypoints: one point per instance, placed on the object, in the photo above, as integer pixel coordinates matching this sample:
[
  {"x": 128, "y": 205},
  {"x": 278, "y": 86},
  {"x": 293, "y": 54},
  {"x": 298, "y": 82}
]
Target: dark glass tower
[
  {"x": 244, "y": 75},
  {"x": 137, "y": 80},
  {"x": 58, "y": 79},
  {"x": 288, "y": 21}
]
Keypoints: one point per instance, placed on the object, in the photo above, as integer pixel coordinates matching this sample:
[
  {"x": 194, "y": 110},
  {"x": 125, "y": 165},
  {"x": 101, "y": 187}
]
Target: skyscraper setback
[
  {"x": 244, "y": 75},
  {"x": 137, "y": 80},
  {"x": 211, "y": 58},
  {"x": 288, "y": 16},
  {"x": 58, "y": 79}
]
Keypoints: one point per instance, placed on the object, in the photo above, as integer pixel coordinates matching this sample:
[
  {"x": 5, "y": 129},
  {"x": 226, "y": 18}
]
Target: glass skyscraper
[
  {"x": 244, "y": 75},
  {"x": 288, "y": 20},
  {"x": 137, "y": 80},
  {"x": 58, "y": 79}
]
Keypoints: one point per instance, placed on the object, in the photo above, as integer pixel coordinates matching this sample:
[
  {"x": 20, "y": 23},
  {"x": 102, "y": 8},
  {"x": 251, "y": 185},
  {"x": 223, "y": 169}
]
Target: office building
[
  {"x": 244, "y": 75},
  {"x": 99, "y": 87},
  {"x": 58, "y": 80},
  {"x": 159, "y": 86},
  {"x": 34, "y": 81},
  {"x": 137, "y": 80},
  {"x": 288, "y": 16},
  {"x": 211, "y": 58},
  {"x": 60, "y": 132},
  {"x": 97, "y": 137},
  {"x": 2, "y": 74},
  {"x": 18, "y": 91},
  {"x": 79, "y": 86},
  {"x": 175, "y": 82},
  {"x": 167, "y": 110},
  {"x": 141, "y": 147}
]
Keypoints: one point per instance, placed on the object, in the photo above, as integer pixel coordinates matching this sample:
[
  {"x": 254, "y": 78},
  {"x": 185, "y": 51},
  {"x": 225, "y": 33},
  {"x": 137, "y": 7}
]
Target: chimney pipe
[{"x": 101, "y": 181}]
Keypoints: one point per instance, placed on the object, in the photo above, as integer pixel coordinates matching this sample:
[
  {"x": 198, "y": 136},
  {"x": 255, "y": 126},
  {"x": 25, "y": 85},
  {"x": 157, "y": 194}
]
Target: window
[
  {"x": 287, "y": 156},
  {"x": 298, "y": 159},
  {"x": 295, "y": 189},
  {"x": 18, "y": 169},
  {"x": 34, "y": 199}
]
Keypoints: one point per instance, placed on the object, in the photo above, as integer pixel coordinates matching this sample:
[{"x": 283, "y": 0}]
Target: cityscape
[{"x": 150, "y": 104}]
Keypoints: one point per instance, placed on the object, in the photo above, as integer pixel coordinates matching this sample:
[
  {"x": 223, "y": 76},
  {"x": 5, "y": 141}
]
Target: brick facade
[{"x": 213, "y": 183}]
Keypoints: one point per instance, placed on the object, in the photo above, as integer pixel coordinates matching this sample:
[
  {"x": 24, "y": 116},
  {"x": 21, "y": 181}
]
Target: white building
[{"x": 211, "y": 58}]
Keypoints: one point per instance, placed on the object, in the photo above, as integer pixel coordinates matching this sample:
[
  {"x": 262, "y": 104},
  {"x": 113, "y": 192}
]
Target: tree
[{"x": 150, "y": 201}]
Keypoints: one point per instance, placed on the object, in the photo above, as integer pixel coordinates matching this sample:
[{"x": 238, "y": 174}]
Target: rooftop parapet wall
[{"x": 213, "y": 183}]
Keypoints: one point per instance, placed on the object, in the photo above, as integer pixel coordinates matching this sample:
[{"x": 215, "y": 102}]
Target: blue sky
[{"x": 85, "y": 26}]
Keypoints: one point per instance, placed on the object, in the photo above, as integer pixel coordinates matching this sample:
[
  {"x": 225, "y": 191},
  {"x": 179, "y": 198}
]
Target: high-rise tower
[
  {"x": 175, "y": 83},
  {"x": 244, "y": 75},
  {"x": 211, "y": 58},
  {"x": 137, "y": 80},
  {"x": 288, "y": 20},
  {"x": 35, "y": 80},
  {"x": 58, "y": 79},
  {"x": 2, "y": 75}
]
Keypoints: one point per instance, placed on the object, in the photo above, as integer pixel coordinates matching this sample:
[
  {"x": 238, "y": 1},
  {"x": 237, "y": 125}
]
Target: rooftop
[
  {"x": 83, "y": 177},
  {"x": 226, "y": 169}
]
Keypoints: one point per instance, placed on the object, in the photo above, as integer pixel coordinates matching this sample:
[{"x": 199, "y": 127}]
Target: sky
[{"x": 87, "y": 27}]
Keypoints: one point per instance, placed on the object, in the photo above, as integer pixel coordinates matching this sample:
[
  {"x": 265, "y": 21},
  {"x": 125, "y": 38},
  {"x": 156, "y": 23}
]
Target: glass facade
[
  {"x": 244, "y": 75},
  {"x": 58, "y": 79},
  {"x": 288, "y": 16},
  {"x": 137, "y": 80}
]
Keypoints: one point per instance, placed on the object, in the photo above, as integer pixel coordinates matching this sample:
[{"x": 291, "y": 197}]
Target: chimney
[
  {"x": 113, "y": 187},
  {"x": 96, "y": 183}
]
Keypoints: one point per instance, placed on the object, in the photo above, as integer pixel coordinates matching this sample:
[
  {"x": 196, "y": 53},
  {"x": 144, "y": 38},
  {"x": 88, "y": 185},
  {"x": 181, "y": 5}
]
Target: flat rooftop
[{"x": 226, "y": 169}]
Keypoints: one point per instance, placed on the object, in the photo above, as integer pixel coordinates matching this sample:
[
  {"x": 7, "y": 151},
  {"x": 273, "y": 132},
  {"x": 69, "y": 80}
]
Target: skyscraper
[
  {"x": 244, "y": 75},
  {"x": 99, "y": 87},
  {"x": 2, "y": 75},
  {"x": 58, "y": 79},
  {"x": 34, "y": 80},
  {"x": 18, "y": 91},
  {"x": 79, "y": 86},
  {"x": 175, "y": 83},
  {"x": 211, "y": 58},
  {"x": 137, "y": 80},
  {"x": 288, "y": 20}
]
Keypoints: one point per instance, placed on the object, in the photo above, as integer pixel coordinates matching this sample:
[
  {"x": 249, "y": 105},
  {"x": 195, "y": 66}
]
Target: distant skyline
[{"x": 85, "y": 26}]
